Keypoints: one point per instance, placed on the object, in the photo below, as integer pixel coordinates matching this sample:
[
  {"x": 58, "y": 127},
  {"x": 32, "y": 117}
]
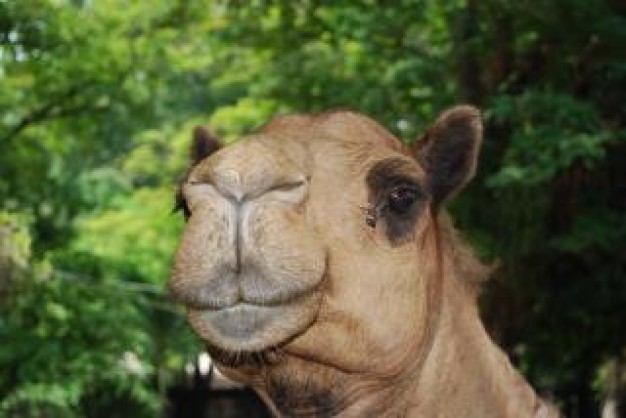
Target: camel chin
[{"x": 251, "y": 328}]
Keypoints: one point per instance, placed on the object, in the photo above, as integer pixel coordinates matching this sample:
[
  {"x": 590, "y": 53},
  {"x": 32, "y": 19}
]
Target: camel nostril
[
  {"x": 285, "y": 187},
  {"x": 289, "y": 191}
]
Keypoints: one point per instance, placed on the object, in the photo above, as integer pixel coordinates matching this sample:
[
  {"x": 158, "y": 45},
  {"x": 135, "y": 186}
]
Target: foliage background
[{"x": 97, "y": 101}]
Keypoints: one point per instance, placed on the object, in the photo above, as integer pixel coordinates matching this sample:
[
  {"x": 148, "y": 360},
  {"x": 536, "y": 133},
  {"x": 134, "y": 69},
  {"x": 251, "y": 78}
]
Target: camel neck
[{"x": 466, "y": 374}]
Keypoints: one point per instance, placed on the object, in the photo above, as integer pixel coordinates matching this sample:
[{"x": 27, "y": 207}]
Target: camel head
[{"x": 315, "y": 249}]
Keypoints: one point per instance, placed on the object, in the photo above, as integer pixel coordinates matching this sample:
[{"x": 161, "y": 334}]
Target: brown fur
[{"x": 320, "y": 268}]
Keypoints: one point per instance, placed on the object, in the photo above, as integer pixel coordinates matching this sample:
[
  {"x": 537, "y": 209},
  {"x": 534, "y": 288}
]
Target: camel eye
[
  {"x": 399, "y": 207},
  {"x": 401, "y": 199}
]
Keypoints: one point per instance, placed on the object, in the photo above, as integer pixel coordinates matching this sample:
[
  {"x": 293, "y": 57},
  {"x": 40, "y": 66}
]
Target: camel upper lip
[{"x": 208, "y": 304}]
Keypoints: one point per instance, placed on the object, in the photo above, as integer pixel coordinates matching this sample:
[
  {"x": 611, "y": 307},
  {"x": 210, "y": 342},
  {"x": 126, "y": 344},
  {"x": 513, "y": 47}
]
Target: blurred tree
[{"x": 90, "y": 333}]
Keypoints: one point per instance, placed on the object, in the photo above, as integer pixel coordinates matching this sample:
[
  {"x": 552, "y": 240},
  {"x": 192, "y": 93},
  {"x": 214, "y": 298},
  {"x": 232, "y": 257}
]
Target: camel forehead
[
  {"x": 339, "y": 143},
  {"x": 343, "y": 127}
]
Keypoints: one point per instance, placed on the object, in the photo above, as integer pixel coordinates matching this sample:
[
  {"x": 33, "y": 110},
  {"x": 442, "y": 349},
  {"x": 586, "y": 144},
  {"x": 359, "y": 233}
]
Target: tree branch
[{"x": 43, "y": 112}]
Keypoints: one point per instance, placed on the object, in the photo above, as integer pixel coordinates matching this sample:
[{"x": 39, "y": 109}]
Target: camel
[{"x": 320, "y": 268}]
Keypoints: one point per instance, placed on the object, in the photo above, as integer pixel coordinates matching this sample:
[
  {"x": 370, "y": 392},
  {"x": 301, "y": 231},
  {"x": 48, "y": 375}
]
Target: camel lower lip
[
  {"x": 239, "y": 321},
  {"x": 252, "y": 327}
]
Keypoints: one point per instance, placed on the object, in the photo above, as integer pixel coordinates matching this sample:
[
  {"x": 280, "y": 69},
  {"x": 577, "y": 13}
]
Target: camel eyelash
[{"x": 370, "y": 214}]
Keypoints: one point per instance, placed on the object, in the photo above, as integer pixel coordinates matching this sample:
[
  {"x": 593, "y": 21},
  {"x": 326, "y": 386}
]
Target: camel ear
[
  {"x": 203, "y": 144},
  {"x": 449, "y": 151}
]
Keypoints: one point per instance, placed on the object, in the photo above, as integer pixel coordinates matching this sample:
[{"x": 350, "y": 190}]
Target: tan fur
[{"x": 299, "y": 298}]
